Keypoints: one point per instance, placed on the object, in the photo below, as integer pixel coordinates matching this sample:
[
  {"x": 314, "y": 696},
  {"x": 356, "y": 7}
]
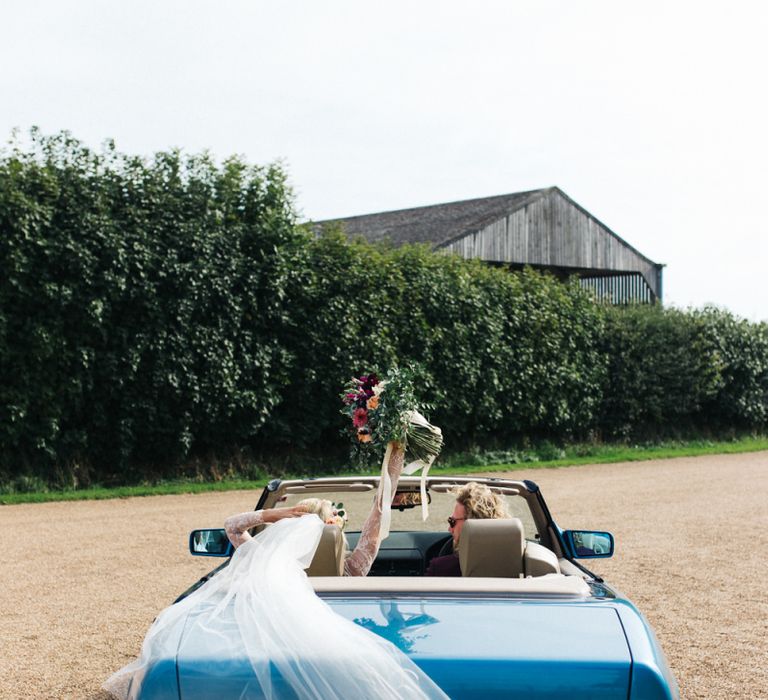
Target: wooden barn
[{"x": 544, "y": 229}]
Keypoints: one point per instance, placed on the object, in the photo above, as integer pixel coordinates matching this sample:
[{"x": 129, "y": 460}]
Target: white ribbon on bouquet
[{"x": 384, "y": 502}]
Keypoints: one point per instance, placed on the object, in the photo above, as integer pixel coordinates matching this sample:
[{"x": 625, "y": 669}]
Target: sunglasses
[{"x": 452, "y": 521}]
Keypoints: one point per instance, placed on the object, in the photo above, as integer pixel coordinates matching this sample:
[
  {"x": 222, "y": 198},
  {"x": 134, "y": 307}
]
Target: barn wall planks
[
  {"x": 619, "y": 289},
  {"x": 553, "y": 232}
]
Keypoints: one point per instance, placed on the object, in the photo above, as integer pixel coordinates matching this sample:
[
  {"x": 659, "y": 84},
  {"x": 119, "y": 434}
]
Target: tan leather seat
[
  {"x": 492, "y": 548},
  {"x": 539, "y": 561},
  {"x": 329, "y": 556}
]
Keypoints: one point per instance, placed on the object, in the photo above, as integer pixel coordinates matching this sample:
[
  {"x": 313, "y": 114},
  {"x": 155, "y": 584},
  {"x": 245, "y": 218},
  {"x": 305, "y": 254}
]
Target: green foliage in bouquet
[{"x": 387, "y": 410}]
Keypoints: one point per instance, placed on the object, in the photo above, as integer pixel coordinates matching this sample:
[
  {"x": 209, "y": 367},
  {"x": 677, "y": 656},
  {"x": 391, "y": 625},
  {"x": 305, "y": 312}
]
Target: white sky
[{"x": 653, "y": 115}]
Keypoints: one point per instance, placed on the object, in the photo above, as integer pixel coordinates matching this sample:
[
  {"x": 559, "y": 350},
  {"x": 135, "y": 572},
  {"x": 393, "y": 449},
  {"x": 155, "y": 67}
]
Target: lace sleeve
[
  {"x": 360, "y": 561},
  {"x": 237, "y": 526}
]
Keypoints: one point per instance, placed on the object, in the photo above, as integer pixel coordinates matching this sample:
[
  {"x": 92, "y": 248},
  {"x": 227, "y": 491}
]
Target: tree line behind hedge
[{"x": 159, "y": 313}]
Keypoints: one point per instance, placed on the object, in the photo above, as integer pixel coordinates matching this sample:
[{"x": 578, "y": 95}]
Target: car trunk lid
[
  {"x": 506, "y": 648},
  {"x": 482, "y": 648}
]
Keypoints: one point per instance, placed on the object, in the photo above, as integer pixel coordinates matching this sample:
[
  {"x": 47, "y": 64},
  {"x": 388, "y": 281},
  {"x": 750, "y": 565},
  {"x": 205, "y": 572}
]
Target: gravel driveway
[{"x": 81, "y": 582}]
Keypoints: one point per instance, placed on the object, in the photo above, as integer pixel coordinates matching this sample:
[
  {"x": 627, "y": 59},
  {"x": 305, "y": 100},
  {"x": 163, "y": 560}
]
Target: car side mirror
[
  {"x": 210, "y": 543},
  {"x": 589, "y": 544}
]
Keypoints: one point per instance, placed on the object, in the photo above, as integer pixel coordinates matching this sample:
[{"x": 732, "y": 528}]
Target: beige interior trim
[
  {"x": 549, "y": 585},
  {"x": 446, "y": 482},
  {"x": 329, "y": 555},
  {"x": 492, "y": 548},
  {"x": 538, "y": 560},
  {"x": 349, "y": 488},
  {"x": 448, "y": 487}
]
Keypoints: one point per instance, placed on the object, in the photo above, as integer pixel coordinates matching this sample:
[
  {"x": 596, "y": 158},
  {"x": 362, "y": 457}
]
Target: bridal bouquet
[
  {"x": 383, "y": 411},
  {"x": 386, "y": 415}
]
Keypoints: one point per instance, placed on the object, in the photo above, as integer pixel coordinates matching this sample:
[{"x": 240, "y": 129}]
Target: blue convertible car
[{"x": 526, "y": 620}]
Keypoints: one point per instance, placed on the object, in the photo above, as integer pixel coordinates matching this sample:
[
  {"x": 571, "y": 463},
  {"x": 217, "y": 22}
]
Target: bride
[
  {"x": 359, "y": 562},
  {"x": 263, "y": 605}
]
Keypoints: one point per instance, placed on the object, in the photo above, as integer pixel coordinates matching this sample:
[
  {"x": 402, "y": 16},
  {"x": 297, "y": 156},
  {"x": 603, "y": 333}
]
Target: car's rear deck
[{"x": 550, "y": 585}]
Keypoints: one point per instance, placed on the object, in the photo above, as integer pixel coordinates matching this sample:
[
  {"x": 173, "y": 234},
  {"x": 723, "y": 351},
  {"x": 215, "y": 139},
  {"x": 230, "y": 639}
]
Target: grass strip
[
  {"x": 613, "y": 455},
  {"x": 574, "y": 456}
]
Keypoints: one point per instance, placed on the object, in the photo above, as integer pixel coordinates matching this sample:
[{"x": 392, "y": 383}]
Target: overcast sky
[{"x": 653, "y": 115}]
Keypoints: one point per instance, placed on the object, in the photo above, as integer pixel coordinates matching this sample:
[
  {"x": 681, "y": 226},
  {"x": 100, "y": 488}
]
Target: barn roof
[
  {"x": 437, "y": 224},
  {"x": 542, "y": 228}
]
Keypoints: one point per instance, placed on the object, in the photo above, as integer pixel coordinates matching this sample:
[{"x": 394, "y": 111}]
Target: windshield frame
[{"x": 306, "y": 488}]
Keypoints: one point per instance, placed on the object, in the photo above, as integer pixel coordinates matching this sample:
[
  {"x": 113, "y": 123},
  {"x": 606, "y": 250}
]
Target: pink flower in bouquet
[
  {"x": 360, "y": 418},
  {"x": 367, "y": 382}
]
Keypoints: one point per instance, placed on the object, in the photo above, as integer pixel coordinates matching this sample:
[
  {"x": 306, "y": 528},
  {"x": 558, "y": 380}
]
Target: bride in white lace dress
[
  {"x": 263, "y": 606},
  {"x": 356, "y": 563}
]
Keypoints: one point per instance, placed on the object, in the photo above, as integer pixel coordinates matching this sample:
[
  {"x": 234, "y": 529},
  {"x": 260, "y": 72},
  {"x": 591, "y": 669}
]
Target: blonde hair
[
  {"x": 480, "y": 502},
  {"x": 324, "y": 509},
  {"x": 318, "y": 506}
]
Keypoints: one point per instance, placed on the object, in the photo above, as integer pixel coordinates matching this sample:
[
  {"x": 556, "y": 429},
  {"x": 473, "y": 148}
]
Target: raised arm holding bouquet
[{"x": 386, "y": 416}]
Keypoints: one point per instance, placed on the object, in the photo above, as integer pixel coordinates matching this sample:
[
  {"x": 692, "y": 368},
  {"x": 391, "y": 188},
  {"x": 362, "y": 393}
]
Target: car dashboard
[{"x": 404, "y": 553}]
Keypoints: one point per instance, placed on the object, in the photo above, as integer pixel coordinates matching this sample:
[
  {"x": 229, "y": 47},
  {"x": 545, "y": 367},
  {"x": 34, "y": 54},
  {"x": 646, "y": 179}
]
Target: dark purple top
[{"x": 444, "y": 566}]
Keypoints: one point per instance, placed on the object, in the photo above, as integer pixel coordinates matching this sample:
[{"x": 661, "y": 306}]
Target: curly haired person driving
[{"x": 473, "y": 500}]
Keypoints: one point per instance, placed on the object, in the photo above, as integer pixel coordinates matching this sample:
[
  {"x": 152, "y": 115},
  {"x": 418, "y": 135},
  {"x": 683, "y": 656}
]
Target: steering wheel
[{"x": 446, "y": 549}]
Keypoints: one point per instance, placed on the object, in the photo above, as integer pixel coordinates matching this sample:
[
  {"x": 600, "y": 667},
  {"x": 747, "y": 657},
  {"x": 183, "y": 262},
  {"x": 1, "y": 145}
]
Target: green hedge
[
  {"x": 503, "y": 355},
  {"x": 662, "y": 369},
  {"x": 159, "y": 313},
  {"x": 140, "y": 308},
  {"x": 673, "y": 372},
  {"x": 741, "y": 352}
]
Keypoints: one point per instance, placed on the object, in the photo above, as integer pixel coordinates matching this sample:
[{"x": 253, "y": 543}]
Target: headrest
[
  {"x": 329, "y": 556},
  {"x": 492, "y": 548}
]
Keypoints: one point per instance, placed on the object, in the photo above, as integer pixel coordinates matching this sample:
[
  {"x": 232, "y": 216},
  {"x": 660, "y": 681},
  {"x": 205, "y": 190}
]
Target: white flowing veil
[{"x": 262, "y": 606}]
